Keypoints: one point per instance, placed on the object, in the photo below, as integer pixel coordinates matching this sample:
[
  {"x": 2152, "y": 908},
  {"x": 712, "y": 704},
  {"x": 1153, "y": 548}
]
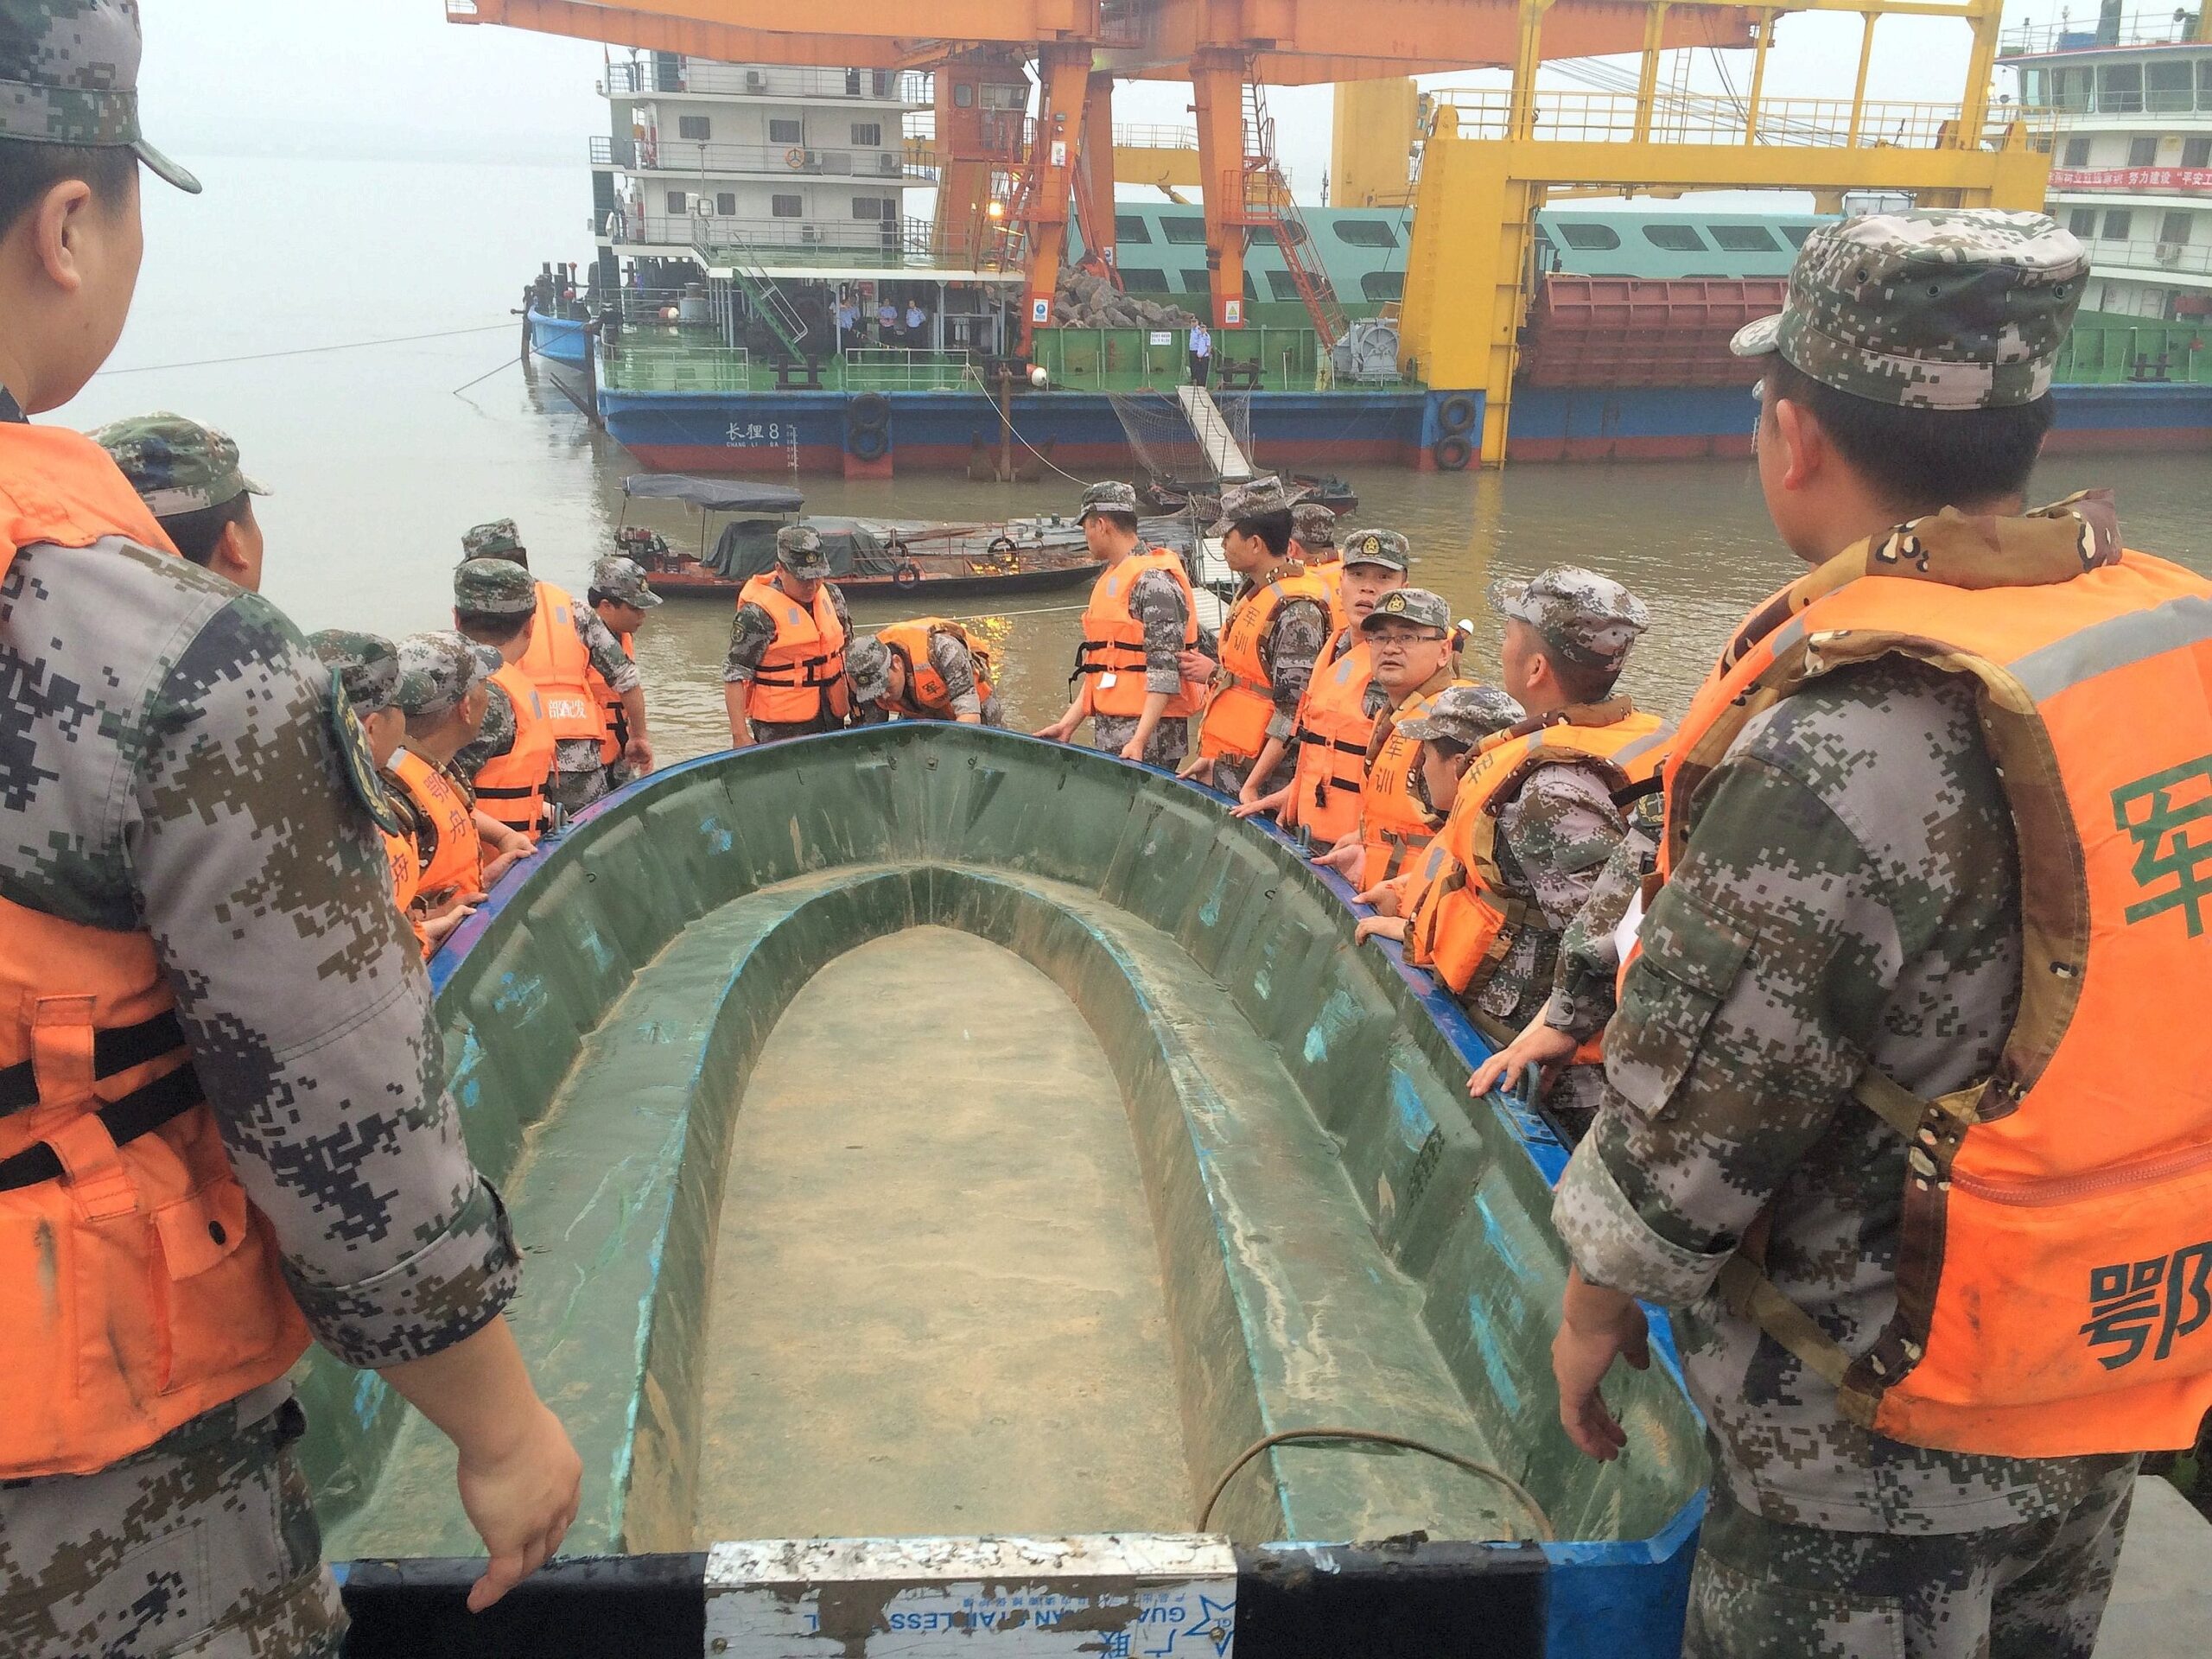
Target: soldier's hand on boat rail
[
  {"x": 1198, "y": 768},
  {"x": 1252, "y": 808},
  {"x": 1538, "y": 1045},
  {"x": 1379, "y": 927},
  {"x": 1344, "y": 858},
  {"x": 1060, "y": 731},
  {"x": 1596, "y": 1326}
]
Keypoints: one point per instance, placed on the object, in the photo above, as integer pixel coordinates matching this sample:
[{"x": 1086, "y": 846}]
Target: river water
[{"x": 378, "y": 464}]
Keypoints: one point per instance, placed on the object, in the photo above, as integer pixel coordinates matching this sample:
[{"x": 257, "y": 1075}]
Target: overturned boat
[{"x": 973, "y": 1190}]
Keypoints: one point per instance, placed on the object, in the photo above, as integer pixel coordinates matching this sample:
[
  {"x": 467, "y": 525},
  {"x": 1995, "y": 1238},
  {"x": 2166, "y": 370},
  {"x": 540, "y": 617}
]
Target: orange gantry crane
[{"x": 1040, "y": 173}]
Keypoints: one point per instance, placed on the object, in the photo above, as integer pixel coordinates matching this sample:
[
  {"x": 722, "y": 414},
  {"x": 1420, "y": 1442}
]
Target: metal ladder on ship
[
  {"x": 1224, "y": 454},
  {"x": 769, "y": 301}
]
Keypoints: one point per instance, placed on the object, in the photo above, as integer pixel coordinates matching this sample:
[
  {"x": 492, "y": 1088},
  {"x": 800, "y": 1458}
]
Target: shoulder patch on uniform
[{"x": 352, "y": 745}]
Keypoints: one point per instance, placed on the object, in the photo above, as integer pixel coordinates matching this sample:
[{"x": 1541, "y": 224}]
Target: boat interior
[{"x": 930, "y": 1131}]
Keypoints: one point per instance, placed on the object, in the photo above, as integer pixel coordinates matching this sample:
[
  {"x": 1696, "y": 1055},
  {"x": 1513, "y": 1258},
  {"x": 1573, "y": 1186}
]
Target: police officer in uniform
[
  {"x": 1847, "y": 899},
  {"x": 784, "y": 674},
  {"x": 188, "y": 475},
  {"x": 194, "y": 856}
]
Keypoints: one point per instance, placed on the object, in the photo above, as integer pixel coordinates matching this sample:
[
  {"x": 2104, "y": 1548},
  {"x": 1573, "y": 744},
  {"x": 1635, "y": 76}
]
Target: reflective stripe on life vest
[
  {"x": 558, "y": 664},
  {"x": 1112, "y": 652},
  {"x": 511, "y": 787},
  {"x": 802, "y": 674},
  {"x": 927, "y": 696},
  {"x": 1333, "y": 730},
  {"x": 2055, "y": 1238},
  {"x": 1242, "y": 701}
]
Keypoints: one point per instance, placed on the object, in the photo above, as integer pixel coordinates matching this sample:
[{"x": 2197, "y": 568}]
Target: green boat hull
[{"x": 1338, "y": 1235}]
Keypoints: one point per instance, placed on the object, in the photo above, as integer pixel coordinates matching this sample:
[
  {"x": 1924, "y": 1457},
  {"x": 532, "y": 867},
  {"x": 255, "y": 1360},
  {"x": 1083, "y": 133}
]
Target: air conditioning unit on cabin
[
  {"x": 813, "y": 162},
  {"x": 2169, "y": 253},
  {"x": 810, "y": 232},
  {"x": 756, "y": 81}
]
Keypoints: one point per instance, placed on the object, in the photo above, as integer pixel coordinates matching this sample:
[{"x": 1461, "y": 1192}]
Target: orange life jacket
[
  {"x": 615, "y": 734},
  {"x": 1112, "y": 652},
  {"x": 1394, "y": 822},
  {"x": 1242, "y": 701},
  {"x": 405, "y": 859},
  {"x": 559, "y": 664},
  {"x": 2055, "y": 1256},
  {"x": 1333, "y": 729},
  {"x": 802, "y": 674},
  {"x": 511, "y": 787},
  {"x": 138, "y": 1286},
  {"x": 1461, "y": 922},
  {"x": 457, "y": 859},
  {"x": 1329, "y": 571},
  {"x": 927, "y": 695}
]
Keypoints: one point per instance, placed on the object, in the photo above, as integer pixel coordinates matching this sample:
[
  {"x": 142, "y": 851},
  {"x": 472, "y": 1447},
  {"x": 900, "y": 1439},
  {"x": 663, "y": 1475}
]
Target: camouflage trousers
[
  {"x": 2035, "y": 1590},
  {"x": 1229, "y": 774},
  {"x": 775, "y": 731},
  {"x": 1171, "y": 739},
  {"x": 205, "y": 1544},
  {"x": 572, "y": 791}
]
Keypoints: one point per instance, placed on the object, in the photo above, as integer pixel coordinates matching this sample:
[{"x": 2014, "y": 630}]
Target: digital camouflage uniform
[
  {"x": 1291, "y": 645},
  {"x": 1829, "y": 911},
  {"x": 622, "y": 579},
  {"x": 176, "y": 466},
  {"x": 751, "y": 630},
  {"x": 1313, "y": 527},
  {"x": 868, "y": 662},
  {"x": 435, "y": 672},
  {"x": 579, "y": 777},
  {"x": 1558, "y": 828},
  {"x": 1157, "y": 603},
  {"x": 491, "y": 585}
]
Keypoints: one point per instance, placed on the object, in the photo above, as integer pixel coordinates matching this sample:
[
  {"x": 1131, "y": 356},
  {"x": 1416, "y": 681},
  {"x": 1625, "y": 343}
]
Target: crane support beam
[
  {"x": 1217, "y": 99},
  {"x": 1098, "y": 165},
  {"x": 1065, "y": 71},
  {"x": 650, "y": 30}
]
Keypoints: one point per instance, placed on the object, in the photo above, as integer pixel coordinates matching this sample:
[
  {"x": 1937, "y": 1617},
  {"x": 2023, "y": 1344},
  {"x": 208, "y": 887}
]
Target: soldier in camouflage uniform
[
  {"x": 619, "y": 596},
  {"x": 188, "y": 475},
  {"x": 178, "y": 768},
  {"x": 801, "y": 566},
  {"x": 1108, "y": 517},
  {"x": 579, "y": 775},
  {"x": 869, "y": 662},
  {"x": 1849, "y": 895},
  {"x": 1312, "y": 534}
]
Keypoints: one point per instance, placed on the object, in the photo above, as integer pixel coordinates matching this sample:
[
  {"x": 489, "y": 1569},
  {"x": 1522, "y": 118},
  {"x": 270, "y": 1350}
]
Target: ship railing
[
  {"x": 669, "y": 74},
  {"x": 1712, "y": 119},
  {"x": 785, "y": 241},
  {"x": 886, "y": 368},
  {"x": 625, "y": 366},
  {"x": 1158, "y": 359},
  {"x": 2167, "y": 26},
  {"x": 2108, "y": 350},
  {"x": 696, "y": 160},
  {"x": 2192, "y": 258},
  {"x": 1155, "y": 135},
  {"x": 2071, "y": 103}
]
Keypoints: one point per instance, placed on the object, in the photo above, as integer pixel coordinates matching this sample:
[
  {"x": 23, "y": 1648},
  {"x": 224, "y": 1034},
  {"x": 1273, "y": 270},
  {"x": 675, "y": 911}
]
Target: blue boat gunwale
[{"x": 1583, "y": 1578}]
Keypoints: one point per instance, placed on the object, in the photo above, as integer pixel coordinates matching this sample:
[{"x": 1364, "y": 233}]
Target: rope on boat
[
  {"x": 1373, "y": 1437},
  {"x": 1007, "y": 420},
  {"x": 986, "y": 616},
  {"x": 310, "y": 350}
]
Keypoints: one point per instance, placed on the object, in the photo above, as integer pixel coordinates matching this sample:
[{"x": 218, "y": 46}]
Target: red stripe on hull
[
  {"x": 2157, "y": 440},
  {"x": 1692, "y": 446}
]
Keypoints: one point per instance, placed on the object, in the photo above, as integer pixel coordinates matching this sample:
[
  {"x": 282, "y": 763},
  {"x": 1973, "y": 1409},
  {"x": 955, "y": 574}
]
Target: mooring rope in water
[
  {"x": 307, "y": 351},
  {"x": 1007, "y": 421},
  {"x": 1373, "y": 1437}
]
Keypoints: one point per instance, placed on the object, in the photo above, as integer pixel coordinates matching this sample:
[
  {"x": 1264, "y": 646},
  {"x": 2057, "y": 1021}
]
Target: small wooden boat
[
  {"x": 928, "y": 564},
  {"x": 955, "y": 1165}
]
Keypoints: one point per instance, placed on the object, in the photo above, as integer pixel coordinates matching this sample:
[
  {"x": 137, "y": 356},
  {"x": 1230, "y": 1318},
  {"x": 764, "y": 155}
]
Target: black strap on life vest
[
  {"x": 1634, "y": 792},
  {"x": 140, "y": 1112},
  {"x": 515, "y": 793},
  {"x": 807, "y": 678}
]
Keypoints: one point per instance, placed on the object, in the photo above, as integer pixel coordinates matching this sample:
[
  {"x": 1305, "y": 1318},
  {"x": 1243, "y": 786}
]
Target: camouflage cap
[
  {"x": 1949, "y": 307},
  {"x": 867, "y": 659},
  {"x": 1250, "y": 500},
  {"x": 367, "y": 665},
  {"x": 494, "y": 586},
  {"x": 799, "y": 549},
  {"x": 1415, "y": 605},
  {"x": 1382, "y": 547},
  {"x": 69, "y": 75},
  {"x": 1589, "y": 619},
  {"x": 1464, "y": 714},
  {"x": 1313, "y": 525},
  {"x": 623, "y": 580},
  {"x": 499, "y": 539},
  {"x": 436, "y": 671},
  {"x": 1112, "y": 496},
  {"x": 175, "y": 465}
]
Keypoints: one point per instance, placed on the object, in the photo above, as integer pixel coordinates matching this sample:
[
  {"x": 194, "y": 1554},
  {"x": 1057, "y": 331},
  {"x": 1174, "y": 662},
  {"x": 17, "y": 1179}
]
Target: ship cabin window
[
  {"x": 1131, "y": 228},
  {"x": 2197, "y": 151},
  {"x": 2204, "y": 84},
  {"x": 1366, "y": 233},
  {"x": 2143, "y": 150},
  {"x": 1383, "y": 284},
  {"x": 785, "y": 132},
  {"x": 1143, "y": 279},
  {"x": 1590, "y": 239},
  {"x": 1251, "y": 289},
  {"x": 2174, "y": 227},
  {"x": 697, "y": 128},
  {"x": 1194, "y": 281},
  {"x": 783, "y": 207},
  {"x": 1281, "y": 285},
  {"x": 677, "y": 203},
  {"x": 2166, "y": 87},
  {"x": 2077, "y": 153},
  {"x": 1674, "y": 238},
  {"x": 1797, "y": 233},
  {"x": 867, "y": 134},
  {"x": 1743, "y": 239},
  {"x": 879, "y": 207},
  {"x": 1186, "y": 228},
  {"x": 2070, "y": 89},
  {"x": 963, "y": 94},
  {"x": 2120, "y": 89},
  {"x": 2082, "y": 222},
  {"x": 725, "y": 203},
  {"x": 2117, "y": 221},
  {"x": 1262, "y": 236}
]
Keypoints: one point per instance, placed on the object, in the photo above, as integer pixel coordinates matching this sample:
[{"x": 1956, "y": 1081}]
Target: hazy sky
[{"x": 392, "y": 77}]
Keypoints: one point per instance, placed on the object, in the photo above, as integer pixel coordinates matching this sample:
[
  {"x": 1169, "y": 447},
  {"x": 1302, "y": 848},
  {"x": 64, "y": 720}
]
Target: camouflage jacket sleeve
[
  {"x": 1554, "y": 837},
  {"x": 494, "y": 737},
  {"x": 837, "y": 604},
  {"x": 1770, "y": 970},
  {"x": 608, "y": 656},
  {"x": 1157, "y": 602},
  {"x": 751, "y": 630},
  {"x": 957, "y": 666},
  {"x": 1294, "y": 639},
  {"x": 302, "y": 992},
  {"x": 1589, "y": 961}
]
